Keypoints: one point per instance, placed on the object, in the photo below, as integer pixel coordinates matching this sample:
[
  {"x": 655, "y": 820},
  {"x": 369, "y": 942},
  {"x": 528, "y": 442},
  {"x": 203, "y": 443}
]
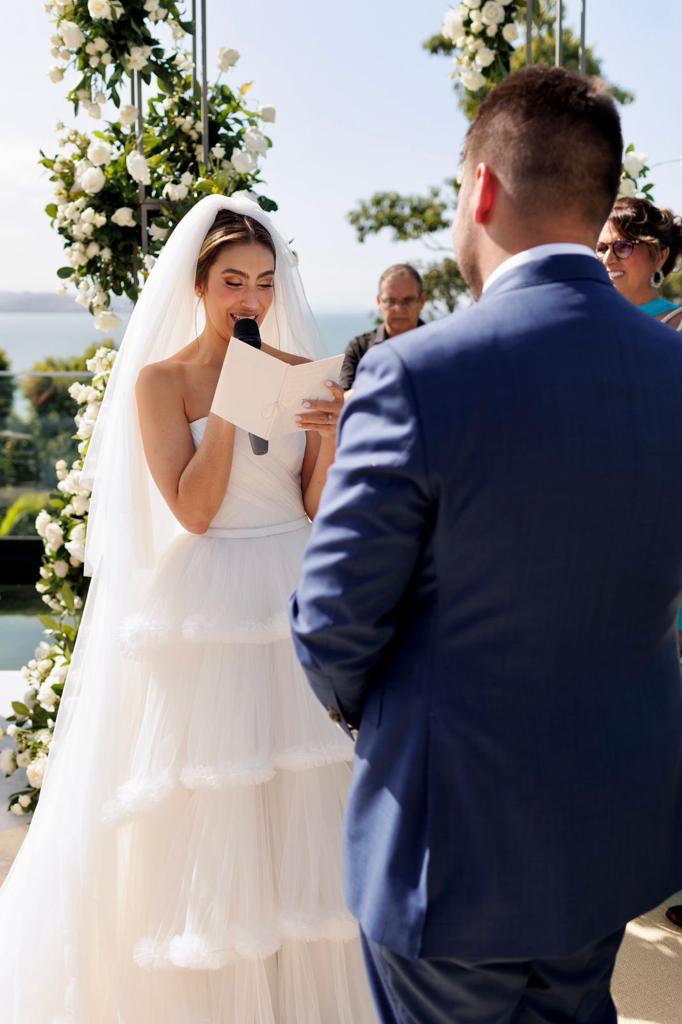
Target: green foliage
[
  {"x": 407, "y": 217},
  {"x": 421, "y": 217},
  {"x": 19, "y": 517},
  {"x": 18, "y": 458},
  {"x": 7, "y": 385},
  {"x": 672, "y": 287},
  {"x": 444, "y": 285}
]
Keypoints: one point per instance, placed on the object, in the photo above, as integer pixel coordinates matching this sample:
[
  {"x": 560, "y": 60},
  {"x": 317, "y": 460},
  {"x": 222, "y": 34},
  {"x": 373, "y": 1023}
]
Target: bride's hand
[{"x": 322, "y": 415}]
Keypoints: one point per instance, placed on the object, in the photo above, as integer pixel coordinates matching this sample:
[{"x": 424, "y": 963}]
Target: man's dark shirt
[{"x": 357, "y": 348}]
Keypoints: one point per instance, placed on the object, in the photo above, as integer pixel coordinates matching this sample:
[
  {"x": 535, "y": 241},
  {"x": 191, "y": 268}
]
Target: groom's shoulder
[{"x": 464, "y": 334}]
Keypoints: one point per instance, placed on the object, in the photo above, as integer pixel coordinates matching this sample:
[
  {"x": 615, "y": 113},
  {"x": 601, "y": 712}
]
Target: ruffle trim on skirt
[{"x": 194, "y": 953}]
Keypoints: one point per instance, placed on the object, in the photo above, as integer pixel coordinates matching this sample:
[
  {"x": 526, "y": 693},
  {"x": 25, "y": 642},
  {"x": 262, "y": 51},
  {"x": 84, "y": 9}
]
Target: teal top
[{"x": 656, "y": 308}]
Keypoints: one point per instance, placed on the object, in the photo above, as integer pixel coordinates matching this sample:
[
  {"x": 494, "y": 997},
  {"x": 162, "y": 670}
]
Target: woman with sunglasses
[{"x": 639, "y": 246}]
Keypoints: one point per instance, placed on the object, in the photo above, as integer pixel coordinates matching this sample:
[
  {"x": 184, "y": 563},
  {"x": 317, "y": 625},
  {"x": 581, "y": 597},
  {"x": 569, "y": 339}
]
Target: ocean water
[{"x": 28, "y": 338}]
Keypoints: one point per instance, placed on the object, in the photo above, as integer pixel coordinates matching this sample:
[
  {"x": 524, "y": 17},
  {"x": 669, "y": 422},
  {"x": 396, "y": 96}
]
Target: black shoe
[{"x": 674, "y": 914}]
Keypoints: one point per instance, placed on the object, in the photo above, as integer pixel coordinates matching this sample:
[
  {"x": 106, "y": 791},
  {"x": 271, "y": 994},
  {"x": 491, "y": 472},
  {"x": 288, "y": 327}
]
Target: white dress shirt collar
[{"x": 538, "y": 252}]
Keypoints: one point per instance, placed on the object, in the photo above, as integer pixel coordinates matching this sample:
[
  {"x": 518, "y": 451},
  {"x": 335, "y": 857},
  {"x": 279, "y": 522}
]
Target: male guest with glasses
[{"x": 400, "y": 300}]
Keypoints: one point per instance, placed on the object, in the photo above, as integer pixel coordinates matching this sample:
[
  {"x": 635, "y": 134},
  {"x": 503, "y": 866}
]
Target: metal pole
[
  {"x": 195, "y": 88},
  {"x": 204, "y": 83},
  {"x": 583, "y": 56},
  {"x": 558, "y": 28},
  {"x": 529, "y": 32}
]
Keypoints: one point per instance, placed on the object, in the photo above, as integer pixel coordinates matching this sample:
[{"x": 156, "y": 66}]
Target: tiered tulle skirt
[{"x": 229, "y": 812}]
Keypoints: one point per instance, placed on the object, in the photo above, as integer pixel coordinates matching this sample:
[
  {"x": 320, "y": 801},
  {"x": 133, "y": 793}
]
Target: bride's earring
[{"x": 657, "y": 278}]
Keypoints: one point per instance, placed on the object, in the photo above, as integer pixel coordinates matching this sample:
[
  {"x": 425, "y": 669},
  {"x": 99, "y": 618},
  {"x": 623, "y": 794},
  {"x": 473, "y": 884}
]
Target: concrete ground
[{"x": 648, "y": 979}]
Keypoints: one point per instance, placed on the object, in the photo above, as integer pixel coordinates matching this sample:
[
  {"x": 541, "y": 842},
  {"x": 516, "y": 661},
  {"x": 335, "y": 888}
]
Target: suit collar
[{"x": 567, "y": 267}]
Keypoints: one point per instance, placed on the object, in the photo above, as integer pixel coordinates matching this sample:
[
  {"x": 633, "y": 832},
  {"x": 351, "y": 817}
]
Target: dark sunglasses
[{"x": 622, "y": 250}]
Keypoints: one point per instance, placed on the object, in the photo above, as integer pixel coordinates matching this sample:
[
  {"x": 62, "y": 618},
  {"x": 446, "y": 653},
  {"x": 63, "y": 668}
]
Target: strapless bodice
[{"x": 264, "y": 490}]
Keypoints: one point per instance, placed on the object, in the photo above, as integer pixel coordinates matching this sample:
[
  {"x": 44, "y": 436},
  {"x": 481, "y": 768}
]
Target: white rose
[
  {"x": 47, "y": 698},
  {"x": 61, "y": 568},
  {"x": 123, "y": 217},
  {"x": 8, "y": 761},
  {"x": 227, "y": 58},
  {"x": 473, "y": 4},
  {"x": 81, "y": 504},
  {"x": 452, "y": 25},
  {"x": 627, "y": 188},
  {"x": 43, "y": 519},
  {"x": 93, "y": 180},
  {"x": 510, "y": 32},
  {"x": 127, "y": 115},
  {"x": 633, "y": 163},
  {"x": 267, "y": 113},
  {"x": 92, "y": 250},
  {"x": 105, "y": 321},
  {"x": 138, "y": 57},
  {"x": 54, "y": 535},
  {"x": 472, "y": 79},
  {"x": 99, "y": 152},
  {"x": 100, "y": 9},
  {"x": 17, "y": 809},
  {"x": 158, "y": 233},
  {"x": 56, "y": 73},
  {"x": 35, "y": 773},
  {"x": 492, "y": 13},
  {"x": 71, "y": 34},
  {"x": 243, "y": 162},
  {"x": 101, "y": 44},
  {"x": 218, "y": 152},
  {"x": 25, "y": 800},
  {"x": 107, "y": 58},
  {"x": 255, "y": 141},
  {"x": 484, "y": 57},
  {"x": 138, "y": 169}
]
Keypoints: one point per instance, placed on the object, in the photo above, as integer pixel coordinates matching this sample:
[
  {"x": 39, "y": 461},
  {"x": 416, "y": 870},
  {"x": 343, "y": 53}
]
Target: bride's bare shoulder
[{"x": 162, "y": 385}]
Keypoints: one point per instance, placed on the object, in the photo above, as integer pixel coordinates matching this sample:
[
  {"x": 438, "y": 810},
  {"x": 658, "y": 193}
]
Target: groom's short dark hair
[{"x": 554, "y": 139}]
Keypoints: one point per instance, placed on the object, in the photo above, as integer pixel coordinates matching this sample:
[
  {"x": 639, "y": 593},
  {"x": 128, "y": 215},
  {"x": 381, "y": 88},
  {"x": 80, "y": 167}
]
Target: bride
[{"x": 185, "y": 862}]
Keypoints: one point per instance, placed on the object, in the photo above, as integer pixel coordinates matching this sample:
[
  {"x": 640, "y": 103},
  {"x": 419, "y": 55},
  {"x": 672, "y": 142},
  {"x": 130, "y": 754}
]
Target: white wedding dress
[
  {"x": 220, "y": 850},
  {"x": 184, "y": 865}
]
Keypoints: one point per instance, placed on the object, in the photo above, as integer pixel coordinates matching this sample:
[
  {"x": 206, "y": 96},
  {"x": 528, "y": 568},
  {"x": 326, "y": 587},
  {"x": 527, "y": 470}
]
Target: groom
[{"x": 490, "y": 593}]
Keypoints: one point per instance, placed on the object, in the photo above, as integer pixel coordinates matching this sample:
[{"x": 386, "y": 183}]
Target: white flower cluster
[
  {"x": 635, "y": 166},
  {"x": 61, "y": 575},
  {"x": 481, "y": 30}
]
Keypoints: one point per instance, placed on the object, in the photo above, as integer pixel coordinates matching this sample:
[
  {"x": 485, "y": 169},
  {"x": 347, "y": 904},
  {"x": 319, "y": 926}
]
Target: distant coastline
[{"x": 48, "y": 302}]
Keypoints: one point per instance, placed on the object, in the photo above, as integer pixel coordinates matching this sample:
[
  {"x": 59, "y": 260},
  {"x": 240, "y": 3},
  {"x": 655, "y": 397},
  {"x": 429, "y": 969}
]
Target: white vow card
[{"x": 263, "y": 395}]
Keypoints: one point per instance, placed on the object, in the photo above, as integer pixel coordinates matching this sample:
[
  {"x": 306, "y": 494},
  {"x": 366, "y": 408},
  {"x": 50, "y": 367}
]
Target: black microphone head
[{"x": 246, "y": 330}]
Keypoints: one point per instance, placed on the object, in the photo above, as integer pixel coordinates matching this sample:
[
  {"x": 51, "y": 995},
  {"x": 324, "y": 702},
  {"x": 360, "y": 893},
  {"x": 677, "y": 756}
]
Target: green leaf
[
  {"x": 50, "y": 624},
  {"x": 20, "y": 709},
  {"x": 67, "y": 595},
  {"x": 51, "y": 210},
  {"x": 66, "y": 272}
]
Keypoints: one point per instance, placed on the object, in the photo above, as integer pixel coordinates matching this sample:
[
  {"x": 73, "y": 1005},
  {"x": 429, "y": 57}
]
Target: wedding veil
[{"x": 126, "y": 509}]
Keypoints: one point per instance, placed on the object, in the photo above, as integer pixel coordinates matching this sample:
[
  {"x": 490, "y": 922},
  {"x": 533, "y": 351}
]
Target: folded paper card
[{"x": 263, "y": 395}]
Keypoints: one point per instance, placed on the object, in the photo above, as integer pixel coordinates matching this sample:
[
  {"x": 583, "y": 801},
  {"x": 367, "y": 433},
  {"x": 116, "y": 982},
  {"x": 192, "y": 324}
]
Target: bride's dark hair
[{"x": 229, "y": 228}]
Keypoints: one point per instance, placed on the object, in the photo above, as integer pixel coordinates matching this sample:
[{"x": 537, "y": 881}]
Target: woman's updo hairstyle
[
  {"x": 229, "y": 228},
  {"x": 638, "y": 220}
]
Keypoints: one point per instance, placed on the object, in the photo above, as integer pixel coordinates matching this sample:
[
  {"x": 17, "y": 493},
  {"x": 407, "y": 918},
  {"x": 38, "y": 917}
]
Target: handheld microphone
[{"x": 246, "y": 330}]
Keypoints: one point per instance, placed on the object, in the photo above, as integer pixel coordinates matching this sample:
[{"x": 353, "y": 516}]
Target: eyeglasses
[
  {"x": 390, "y": 303},
  {"x": 621, "y": 249}
]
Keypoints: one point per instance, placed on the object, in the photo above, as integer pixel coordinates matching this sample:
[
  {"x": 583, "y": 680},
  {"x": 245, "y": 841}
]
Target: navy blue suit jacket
[{"x": 490, "y": 593}]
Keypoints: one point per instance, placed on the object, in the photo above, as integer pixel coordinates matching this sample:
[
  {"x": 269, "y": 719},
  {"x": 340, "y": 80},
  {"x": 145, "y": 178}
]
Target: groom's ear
[{"x": 485, "y": 192}]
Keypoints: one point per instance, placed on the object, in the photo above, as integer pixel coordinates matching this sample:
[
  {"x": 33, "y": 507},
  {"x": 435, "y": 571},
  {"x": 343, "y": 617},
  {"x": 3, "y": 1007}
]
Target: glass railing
[{"x": 36, "y": 430}]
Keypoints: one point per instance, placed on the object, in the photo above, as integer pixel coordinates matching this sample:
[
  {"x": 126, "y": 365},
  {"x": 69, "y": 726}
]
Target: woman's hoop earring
[{"x": 657, "y": 278}]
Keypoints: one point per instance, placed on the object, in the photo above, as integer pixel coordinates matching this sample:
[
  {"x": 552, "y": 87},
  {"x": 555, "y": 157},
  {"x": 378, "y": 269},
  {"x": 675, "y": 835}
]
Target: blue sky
[{"x": 361, "y": 107}]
